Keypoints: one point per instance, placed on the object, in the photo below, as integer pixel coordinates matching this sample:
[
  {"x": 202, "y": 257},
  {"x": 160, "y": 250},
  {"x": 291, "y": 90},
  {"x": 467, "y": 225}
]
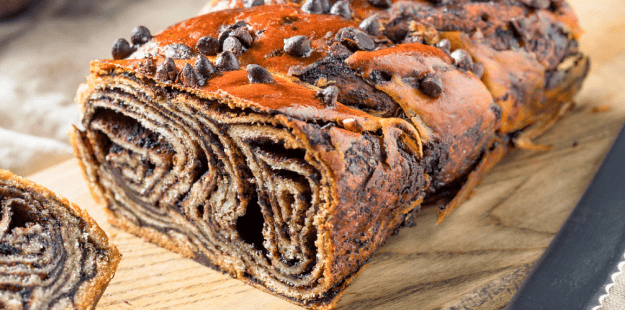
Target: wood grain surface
[{"x": 475, "y": 259}]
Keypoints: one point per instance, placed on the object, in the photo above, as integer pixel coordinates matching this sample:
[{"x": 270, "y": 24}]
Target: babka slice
[{"x": 52, "y": 254}]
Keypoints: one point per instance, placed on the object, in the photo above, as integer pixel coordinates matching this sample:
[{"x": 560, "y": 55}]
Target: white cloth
[{"x": 27, "y": 154}]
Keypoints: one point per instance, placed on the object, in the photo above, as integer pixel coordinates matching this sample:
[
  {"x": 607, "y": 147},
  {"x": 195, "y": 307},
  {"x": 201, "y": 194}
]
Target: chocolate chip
[
  {"x": 355, "y": 39},
  {"x": 238, "y": 24},
  {"x": 258, "y": 74},
  {"x": 121, "y": 49},
  {"x": 328, "y": 95},
  {"x": 208, "y": 45},
  {"x": 364, "y": 42},
  {"x": 341, "y": 8},
  {"x": 243, "y": 35},
  {"x": 223, "y": 35},
  {"x": 478, "y": 69},
  {"x": 233, "y": 45},
  {"x": 371, "y": 25},
  {"x": 297, "y": 46},
  {"x": 177, "y": 51},
  {"x": 383, "y": 4},
  {"x": 147, "y": 67},
  {"x": 313, "y": 6},
  {"x": 204, "y": 68},
  {"x": 397, "y": 29},
  {"x": 251, "y": 3},
  {"x": 140, "y": 35},
  {"x": 462, "y": 60},
  {"x": 444, "y": 45},
  {"x": 226, "y": 31},
  {"x": 167, "y": 71},
  {"x": 227, "y": 61},
  {"x": 188, "y": 76},
  {"x": 431, "y": 85}
]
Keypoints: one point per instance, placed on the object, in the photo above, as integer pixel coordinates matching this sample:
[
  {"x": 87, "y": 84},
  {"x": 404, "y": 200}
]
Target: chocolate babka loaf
[
  {"x": 52, "y": 254},
  {"x": 283, "y": 145}
]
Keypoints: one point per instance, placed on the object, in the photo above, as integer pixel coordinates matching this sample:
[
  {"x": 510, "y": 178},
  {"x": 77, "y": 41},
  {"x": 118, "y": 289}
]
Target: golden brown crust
[
  {"x": 430, "y": 116},
  {"x": 88, "y": 291},
  {"x": 527, "y": 48}
]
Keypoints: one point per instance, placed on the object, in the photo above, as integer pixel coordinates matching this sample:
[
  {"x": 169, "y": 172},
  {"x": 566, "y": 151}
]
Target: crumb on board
[{"x": 601, "y": 108}]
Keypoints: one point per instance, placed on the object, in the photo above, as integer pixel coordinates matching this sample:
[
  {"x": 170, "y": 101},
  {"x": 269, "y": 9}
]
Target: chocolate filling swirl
[{"x": 237, "y": 189}]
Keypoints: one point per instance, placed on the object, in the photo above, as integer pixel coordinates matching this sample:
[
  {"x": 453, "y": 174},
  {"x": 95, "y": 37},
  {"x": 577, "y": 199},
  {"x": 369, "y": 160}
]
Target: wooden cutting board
[{"x": 475, "y": 259}]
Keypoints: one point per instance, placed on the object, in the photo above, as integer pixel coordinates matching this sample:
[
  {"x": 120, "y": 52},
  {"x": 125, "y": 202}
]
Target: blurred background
[{"x": 45, "y": 49}]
